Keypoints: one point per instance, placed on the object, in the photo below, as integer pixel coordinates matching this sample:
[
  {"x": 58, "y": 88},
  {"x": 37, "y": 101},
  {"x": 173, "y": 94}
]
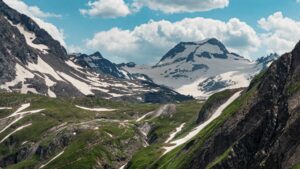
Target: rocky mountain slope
[
  {"x": 31, "y": 61},
  {"x": 259, "y": 129},
  {"x": 202, "y": 68},
  {"x": 266, "y": 61},
  {"x": 97, "y": 63}
]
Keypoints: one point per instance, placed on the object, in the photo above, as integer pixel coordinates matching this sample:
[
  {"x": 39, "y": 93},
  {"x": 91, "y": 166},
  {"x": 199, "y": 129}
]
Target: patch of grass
[
  {"x": 297, "y": 166},
  {"x": 5, "y": 113},
  {"x": 29, "y": 163},
  {"x": 146, "y": 156},
  {"x": 293, "y": 88},
  {"x": 219, "y": 158},
  {"x": 90, "y": 147}
]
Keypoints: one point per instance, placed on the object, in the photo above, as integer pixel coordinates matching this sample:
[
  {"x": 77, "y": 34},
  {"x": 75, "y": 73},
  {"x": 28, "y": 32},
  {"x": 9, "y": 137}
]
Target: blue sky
[{"x": 79, "y": 29}]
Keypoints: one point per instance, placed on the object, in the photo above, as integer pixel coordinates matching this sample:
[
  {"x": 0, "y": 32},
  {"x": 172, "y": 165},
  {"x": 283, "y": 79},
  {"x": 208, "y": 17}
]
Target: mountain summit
[
  {"x": 202, "y": 68},
  {"x": 190, "y": 51}
]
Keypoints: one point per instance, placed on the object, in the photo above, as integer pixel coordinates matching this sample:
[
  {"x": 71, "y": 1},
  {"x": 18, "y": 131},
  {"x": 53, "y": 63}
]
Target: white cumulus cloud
[
  {"x": 150, "y": 41},
  {"x": 118, "y": 8},
  {"x": 107, "y": 9},
  {"x": 281, "y": 33},
  {"x": 38, "y": 16},
  {"x": 179, "y": 6}
]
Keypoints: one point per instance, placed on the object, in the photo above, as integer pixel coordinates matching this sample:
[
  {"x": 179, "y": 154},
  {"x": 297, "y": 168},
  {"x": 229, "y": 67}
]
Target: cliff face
[
  {"x": 264, "y": 132},
  {"x": 261, "y": 129}
]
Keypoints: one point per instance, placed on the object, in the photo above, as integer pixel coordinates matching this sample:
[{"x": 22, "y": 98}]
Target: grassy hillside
[{"x": 81, "y": 138}]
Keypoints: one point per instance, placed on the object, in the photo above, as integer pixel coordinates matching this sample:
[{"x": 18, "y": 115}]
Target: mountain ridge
[{"x": 33, "y": 62}]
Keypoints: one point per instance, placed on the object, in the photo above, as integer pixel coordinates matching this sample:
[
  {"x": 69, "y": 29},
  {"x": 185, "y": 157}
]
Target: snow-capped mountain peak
[
  {"x": 202, "y": 68},
  {"x": 188, "y": 51}
]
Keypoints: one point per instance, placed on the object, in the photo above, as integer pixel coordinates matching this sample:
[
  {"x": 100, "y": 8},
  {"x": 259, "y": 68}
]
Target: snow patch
[
  {"x": 172, "y": 135},
  {"x": 110, "y": 135},
  {"x": 96, "y": 109},
  {"x": 43, "y": 68},
  {"x": 123, "y": 166},
  {"x": 196, "y": 130},
  {"x": 144, "y": 116},
  {"x": 5, "y": 108},
  {"x": 30, "y": 37},
  {"x": 21, "y": 75},
  {"x": 84, "y": 88},
  {"x": 18, "y": 129},
  {"x": 58, "y": 155}
]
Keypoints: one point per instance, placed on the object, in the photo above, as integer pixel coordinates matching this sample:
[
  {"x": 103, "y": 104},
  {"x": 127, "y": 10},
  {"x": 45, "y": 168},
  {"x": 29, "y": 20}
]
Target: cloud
[
  {"x": 38, "y": 16},
  {"x": 148, "y": 42},
  {"x": 281, "y": 33},
  {"x": 180, "y": 6},
  {"x": 75, "y": 49},
  {"x": 298, "y": 1},
  {"x": 36, "y": 11},
  {"x": 118, "y": 8},
  {"x": 107, "y": 9}
]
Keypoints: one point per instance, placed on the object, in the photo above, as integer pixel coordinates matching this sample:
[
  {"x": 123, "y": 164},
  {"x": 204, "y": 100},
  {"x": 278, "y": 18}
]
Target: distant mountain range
[{"x": 202, "y": 68}]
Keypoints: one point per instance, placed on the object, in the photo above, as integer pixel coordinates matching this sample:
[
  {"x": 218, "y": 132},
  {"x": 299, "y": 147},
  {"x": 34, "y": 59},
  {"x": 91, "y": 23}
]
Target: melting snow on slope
[
  {"x": 234, "y": 78},
  {"x": 77, "y": 67},
  {"x": 5, "y": 108},
  {"x": 23, "y": 107},
  {"x": 192, "y": 89},
  {"x": 44, "y": 68},
  {"x": 194, "y": 132},
  {"x": 30, "y": 37},
  {"x": 144, "y": 116},
  {"x": 18, "y": 129},
  {"x": 95, "y": 109},
  {"x": 20, "y": 114},
  {"x": 172, "y": 135},
  {"x": 21, "y": 75},
  {"x": 42, "y": 166},
  {"x": 123, "y": 166},
  {"x": 81, "y": 86}
]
